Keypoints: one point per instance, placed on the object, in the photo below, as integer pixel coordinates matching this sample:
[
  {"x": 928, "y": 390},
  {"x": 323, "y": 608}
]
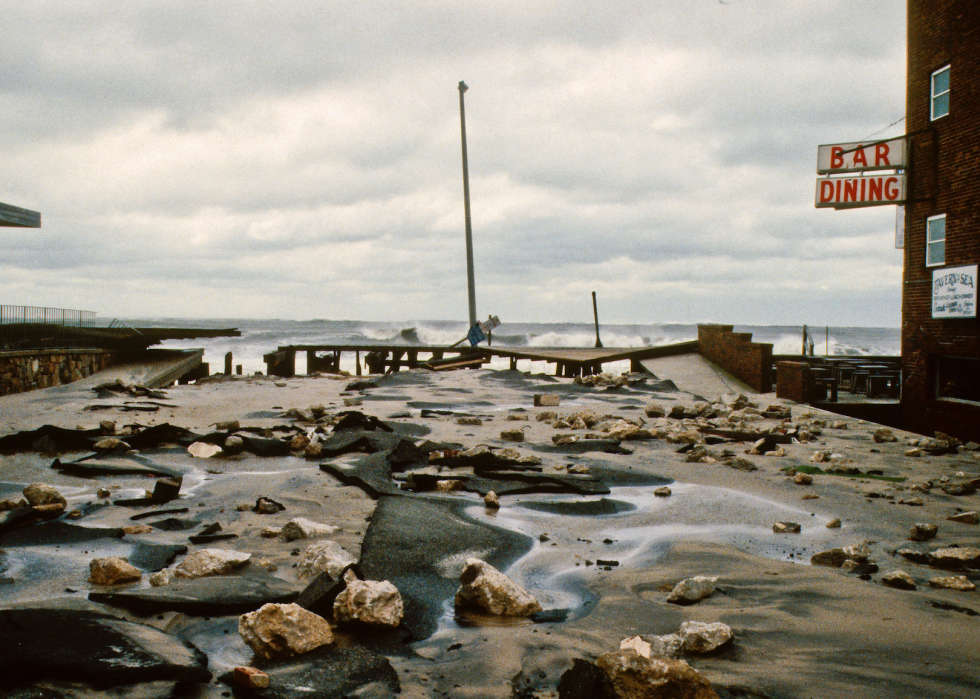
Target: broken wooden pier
[{"x": 382, "y": 359}]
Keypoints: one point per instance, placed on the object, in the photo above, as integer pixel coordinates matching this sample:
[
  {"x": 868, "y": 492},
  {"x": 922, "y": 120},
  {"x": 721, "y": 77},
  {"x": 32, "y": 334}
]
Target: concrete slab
[{"x": 694, "y": 374}]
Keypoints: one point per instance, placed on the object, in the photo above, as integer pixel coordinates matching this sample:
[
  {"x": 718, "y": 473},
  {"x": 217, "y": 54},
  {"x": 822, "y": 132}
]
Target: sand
[{"x": 800, "y": 630}]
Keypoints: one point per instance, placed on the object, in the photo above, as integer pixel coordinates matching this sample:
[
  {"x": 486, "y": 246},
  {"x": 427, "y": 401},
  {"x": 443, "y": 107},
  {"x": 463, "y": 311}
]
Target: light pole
[{"x": 466, "y": 205}]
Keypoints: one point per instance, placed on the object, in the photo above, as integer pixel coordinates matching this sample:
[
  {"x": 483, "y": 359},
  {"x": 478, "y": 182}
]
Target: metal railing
[{"x": 33, "y": 327}]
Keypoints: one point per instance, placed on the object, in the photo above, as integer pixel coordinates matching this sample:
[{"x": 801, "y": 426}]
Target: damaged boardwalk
[{"x": 382, "y": 359}]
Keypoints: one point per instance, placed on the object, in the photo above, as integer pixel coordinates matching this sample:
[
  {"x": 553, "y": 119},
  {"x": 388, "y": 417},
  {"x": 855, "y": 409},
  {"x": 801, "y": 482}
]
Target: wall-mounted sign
[
  {"x": 854, "y": 192},
  {"x": 954, "y": 292},
  {"x": 861, "y": 156}
]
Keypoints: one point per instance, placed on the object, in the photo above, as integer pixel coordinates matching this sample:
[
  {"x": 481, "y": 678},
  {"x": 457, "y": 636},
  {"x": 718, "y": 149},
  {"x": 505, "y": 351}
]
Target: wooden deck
[{"x": 380, "y": 359}]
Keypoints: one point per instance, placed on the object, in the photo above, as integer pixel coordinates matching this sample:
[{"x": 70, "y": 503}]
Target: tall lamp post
[{"x": 466, "y": 204}]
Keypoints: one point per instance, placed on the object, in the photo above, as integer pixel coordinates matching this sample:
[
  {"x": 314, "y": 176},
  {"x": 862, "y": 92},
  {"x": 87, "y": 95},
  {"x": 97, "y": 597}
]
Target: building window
[
  {"x": 958, "y": 378},
  {"x": 936, "y": 240},
  {"x": 940, "y": 94}
]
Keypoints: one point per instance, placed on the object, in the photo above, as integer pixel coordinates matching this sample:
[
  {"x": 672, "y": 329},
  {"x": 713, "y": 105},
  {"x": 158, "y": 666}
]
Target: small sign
[
  {"x": 954, "y": 292},
  {"x": 856, "y": 192},
  {"x": 489, "y": 324},
  {"x": 861, "y": 156},
  {"x": 899, "y": 227},
  {"x": 476, "y": 335}
]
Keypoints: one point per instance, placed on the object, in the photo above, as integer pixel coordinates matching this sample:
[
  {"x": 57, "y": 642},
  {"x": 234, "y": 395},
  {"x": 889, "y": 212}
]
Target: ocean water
[{"x": 260, "y": 337}]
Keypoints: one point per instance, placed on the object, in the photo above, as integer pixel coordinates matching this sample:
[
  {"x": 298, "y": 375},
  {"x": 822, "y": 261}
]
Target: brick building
[{"x": 940, "y": 329}]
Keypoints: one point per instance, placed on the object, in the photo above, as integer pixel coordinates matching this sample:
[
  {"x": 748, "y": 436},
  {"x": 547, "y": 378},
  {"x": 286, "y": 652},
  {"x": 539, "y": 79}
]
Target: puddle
[{"x": 631, "y": 527}]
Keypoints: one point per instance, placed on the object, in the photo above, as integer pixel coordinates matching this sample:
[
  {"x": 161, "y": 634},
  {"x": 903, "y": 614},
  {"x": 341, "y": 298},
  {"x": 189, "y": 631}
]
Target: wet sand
[{"x": 800, "y": 630}]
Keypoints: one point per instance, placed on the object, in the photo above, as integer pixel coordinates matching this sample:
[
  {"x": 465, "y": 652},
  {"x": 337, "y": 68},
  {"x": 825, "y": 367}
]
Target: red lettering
[
  {"x": 891, "y": 188},
  {"x": 859, "y": 157},
  {"x": 836, "y": 159},
  {"x": 881, "y": 154},
  {"x": 837, "y": 195},
  {"x": 826, "y": 190},
  {"x": 850, "y": 190},
  {"x": 874, "y": 188}
]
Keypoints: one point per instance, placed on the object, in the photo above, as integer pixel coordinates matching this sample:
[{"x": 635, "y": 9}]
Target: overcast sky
[{"x": 302, "y": 159}]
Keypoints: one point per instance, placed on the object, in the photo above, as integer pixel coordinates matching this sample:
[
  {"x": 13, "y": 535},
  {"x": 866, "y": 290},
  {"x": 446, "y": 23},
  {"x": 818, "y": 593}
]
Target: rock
[
  {"x": 314, "y": 450},
  {"x": 662, "y": 492},
  {"x": 250, "y": 678},
  {"x": 699, "y": 637},
  {"x": 692, "y": 590},
  {"x": 834, "y": 523},
  {"x": 43, "y": 494},
  {"x": 282, "y": 630},
  {"x": 302, "y": 528},
  {"x": 882, "y": 435},
  {"x": 667, "y": 646},
  {"x": 953, "y": 582},
  {"x": 205, "y": 562},
  {"x": 546, "y": 415},
  {"x": 234, "y": 445},
  {"x": 857, "y": 552},
  {"x": 448, "y": 485},
  {"x": 491, "y": 500},
  {"x": 486, "y": 587},
  {"x": 267, "y": 506},
  {"x": 546, "y": 399},
  {"x": 107, "y": 426},
  {"x": 803, "y": 479},
  {"x": 786, "y": 528},
  {"x": 204, "y": 450},
  {"x": 299, "y": 443},
  {"x": 472, "y": 421},
  {"x": 913, "y": 452},
  {"x": 914, "y": 556},
  {"x": 324, "y": 556},
  {"x": 654, "y": 410},
  {"x": 898, "y": 579},
  {"x": 110, "y": 444},
  {"x": 637, "y": 645},
  {"x": 625, "y": 674},
  {"x": 838, "y": 425},
  {"x": 965, "y": 518},
  {"x": 810, "y": 496},
  {"x": 742, "y": 464},
  {"x": 227, "y": 426},
  {"x": 923, "y": 532},
  {"x": 512, "y": 435},
  {"x": 914, "y": 501},
  {"x": 112, "y": 571},
  {"x": 831, "y": 557},
  {"x": 955, "y": 558},
  {"x": 370, "y": 602}
]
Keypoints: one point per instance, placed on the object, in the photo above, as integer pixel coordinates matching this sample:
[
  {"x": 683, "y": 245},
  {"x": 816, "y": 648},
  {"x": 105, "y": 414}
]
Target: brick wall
[
  {"x": 944, "y": 177},
  {"x": 748, "y": 361},
  {"x": 26, "y": 371},
  {"x": 791, "y": 381}
]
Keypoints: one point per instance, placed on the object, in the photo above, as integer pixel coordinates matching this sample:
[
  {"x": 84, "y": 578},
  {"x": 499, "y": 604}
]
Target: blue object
[{"x": 475, "y": 335}]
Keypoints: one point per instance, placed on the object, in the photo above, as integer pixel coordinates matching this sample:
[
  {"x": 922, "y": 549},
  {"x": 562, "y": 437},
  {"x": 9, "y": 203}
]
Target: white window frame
[
  {"x": 935, "y": 95},
  {"x": 929, "y": 242}
]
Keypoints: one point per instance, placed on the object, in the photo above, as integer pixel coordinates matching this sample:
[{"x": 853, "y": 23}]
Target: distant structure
[
  {"x": 15, "y": 217},
  {"x": 940, "y": 329}
]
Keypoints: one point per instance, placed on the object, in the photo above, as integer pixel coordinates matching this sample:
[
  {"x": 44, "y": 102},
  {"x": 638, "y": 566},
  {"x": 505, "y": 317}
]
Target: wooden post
[
  {"x": 228, "y": 364},
  {"x": 238, "y": 369},
  {"x": 595, "y": 312},
  {"x": 358, "y": 360}
]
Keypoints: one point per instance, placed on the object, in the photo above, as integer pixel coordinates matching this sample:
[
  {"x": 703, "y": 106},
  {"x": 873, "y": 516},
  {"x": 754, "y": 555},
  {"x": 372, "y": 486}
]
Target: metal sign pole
[{"x": 466, "y": 203}]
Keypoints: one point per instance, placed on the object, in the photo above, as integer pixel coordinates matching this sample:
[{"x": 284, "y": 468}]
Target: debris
[
  {"x": 324, "y": 556},
  {"x": 251, "y": 678},
  {"x": 112, "y": 571},
  {"x": 486, "y": 587},
  {"x": 786, "y": 528},
  {"x": 699, "y": 637},
  {"x": 204, "y": 450},
  {"x": 692, "y": 590},
  {"x": 267, "y": 506},
  {"x": 282, "y": 630},
  {"x": 898, "y": 579},
  {"x": 302, "y": 528},
  {"x": 369, "y": 602},
  {"x": 39, "y": 494},
  {"x": 965, "y": 518},
  {"x": 923, "y": 532},
  {"x": 491, "y": 501},
  {"x": 953, "y": 582},
  {"x": 546, "y": 399}
]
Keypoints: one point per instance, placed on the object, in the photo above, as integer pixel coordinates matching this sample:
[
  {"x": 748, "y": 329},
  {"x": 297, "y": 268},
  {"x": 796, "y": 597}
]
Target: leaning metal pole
[{"x": 466, "y": 204}]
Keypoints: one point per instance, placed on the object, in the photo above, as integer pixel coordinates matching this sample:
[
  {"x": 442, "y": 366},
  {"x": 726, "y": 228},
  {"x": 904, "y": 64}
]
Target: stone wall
[
  {"x": 29, "y": 370},
  {"x": 747, "y": 361}
]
